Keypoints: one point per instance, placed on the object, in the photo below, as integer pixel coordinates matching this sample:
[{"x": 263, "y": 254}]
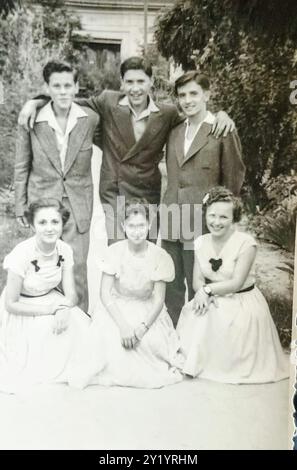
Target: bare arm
[
  {"x": 69, "y": 300},
  {"x": 68, "y": 286},
  {"x": 230, "y": 286},
  {"x": 156, "y": 308},
  {"x": 13, "y": 302},
  {"x": 198, "y": 278},
  {"x": 126, "y": 331},
  {"x": 241, "y": 271}
]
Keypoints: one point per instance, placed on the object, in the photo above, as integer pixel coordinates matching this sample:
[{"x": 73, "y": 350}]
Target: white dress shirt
[
  {"x": 139, "y": 121},
  {"x": 209, "y": 118},
  {"x": 47, "y": 114}
]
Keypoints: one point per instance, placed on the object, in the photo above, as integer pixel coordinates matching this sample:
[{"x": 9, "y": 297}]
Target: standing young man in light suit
[
  {"x": 134, "y": 130},
  {"x": 196, "y": 161},
  {"x": 54, "y": 159}
]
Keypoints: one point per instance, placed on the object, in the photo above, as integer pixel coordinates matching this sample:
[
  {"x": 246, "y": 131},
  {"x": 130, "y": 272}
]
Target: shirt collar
[
  {"x": 209, "y": 119},
  {"x": 47, "y": 114},
  {"x": 151, "y": 107}
]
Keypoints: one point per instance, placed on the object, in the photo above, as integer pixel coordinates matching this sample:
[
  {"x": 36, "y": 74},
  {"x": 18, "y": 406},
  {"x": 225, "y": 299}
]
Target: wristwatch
[{"x": 207, "y": 290}]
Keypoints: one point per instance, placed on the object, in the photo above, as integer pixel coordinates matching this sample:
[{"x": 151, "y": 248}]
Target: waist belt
[
  {"x": 42, "y": 295},
  {"x": 34, "y": 296},
  {"x": 246, "y": 289}
]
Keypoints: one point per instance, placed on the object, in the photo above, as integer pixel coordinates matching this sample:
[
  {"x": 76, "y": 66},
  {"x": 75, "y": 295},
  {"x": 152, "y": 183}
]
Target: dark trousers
[
  {"x": 175, "y": 291},
  {"x": 79, "y": 243}
]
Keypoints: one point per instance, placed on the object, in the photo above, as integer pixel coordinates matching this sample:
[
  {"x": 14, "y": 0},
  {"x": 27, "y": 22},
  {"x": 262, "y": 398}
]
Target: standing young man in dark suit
[
  {"x": 134, "y": 130},
  {"x": 54, "y": 159},
  {"x": 196, "y": 161}
]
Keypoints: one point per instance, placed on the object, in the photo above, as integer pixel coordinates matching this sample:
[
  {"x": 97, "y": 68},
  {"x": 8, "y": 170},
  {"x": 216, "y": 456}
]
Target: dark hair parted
[
  {"x": 190, "y": 76},
  {"x": 135, "y": 206},
  {"x": 44, "y": 203},
  {"x": 56, "y": 66},
  {"x": 222, "y": 194},
  {"x": 136, "y": 63}
]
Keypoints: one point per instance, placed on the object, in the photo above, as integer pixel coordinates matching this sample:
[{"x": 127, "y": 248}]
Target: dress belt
[
  {"x": 41, "y": 295},
  {"x": 246, "y": 289},
  {"x": 34, "y": 296}
]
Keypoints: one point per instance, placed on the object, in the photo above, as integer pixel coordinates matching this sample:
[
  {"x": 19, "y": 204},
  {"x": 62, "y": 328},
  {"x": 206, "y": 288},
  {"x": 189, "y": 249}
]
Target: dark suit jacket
[
  {"x": 38, "y": 171},
  {"x": 130, "y": 168},
  {"x": 209, "y": 162}
]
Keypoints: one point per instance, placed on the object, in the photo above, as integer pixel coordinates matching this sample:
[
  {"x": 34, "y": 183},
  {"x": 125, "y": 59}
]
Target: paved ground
[
  {"x": 195, "y": 414},
  {"x": 191, "y": 415}
]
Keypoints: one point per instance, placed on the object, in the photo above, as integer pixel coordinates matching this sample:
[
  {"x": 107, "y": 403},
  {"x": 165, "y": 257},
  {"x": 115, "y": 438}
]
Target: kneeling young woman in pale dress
[
  {"x": 40, "y": 328},
  {"x": 135, "y": 334},
  {"x": 226, "y": 331}
]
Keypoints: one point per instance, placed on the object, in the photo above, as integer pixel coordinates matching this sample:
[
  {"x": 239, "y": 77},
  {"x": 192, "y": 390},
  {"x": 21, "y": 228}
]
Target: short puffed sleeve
[
  {"x": 66, "y": 255},
  {"x": 109, "y": 263},
  {"x": 246, "y": 241},
  {"x": 17, "y": 260},
  {"x": 163, "y": 269}
]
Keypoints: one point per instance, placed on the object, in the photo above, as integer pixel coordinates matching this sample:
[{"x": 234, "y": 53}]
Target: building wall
[{"x": 117, "y": 22}]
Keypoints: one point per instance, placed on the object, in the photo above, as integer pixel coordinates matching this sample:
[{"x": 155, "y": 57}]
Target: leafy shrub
[
  {"x": 281, "y": 229},
  {"x": 287, "y": 268},
  {"x": 281, "y": 312}
]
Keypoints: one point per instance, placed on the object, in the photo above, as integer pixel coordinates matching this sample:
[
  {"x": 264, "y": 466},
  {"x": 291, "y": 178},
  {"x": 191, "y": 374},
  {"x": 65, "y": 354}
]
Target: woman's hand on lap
[
  {"x": 201, "y": 302},
  {"x": 61, "y": 321},
  {"x": 128, "y": 338}
]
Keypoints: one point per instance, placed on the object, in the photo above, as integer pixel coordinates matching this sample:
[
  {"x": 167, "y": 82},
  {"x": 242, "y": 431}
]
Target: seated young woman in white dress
[
  {"x": 226, "y": 331},
  {"x": 135, "y": 332},
  {"x": 40, "y": 327}
]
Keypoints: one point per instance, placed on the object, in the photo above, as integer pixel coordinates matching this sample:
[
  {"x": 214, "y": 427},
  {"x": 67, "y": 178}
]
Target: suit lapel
[
  {"x": 76, "y": 138},
  {"x": 47, "y": 139},
  {"x": 179, "y": 143},
  {"x": 200, "y": 140},
  {"x": 152, "y": 128},
  {"x": 123, "y": 122}
]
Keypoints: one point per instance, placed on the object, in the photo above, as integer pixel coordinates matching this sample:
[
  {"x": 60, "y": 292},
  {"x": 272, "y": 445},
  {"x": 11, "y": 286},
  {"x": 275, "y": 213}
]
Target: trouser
[
  {"x": 79, "y": 243},
  {"x": 175, "y": 291}
]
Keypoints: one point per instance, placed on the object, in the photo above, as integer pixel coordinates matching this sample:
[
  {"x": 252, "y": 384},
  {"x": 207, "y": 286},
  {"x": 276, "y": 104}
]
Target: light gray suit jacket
[{"x": 38, "y": 169}]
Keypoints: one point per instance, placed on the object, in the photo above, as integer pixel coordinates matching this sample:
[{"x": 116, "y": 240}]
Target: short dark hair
[
  {"x": 222, "y": 194},
  {"x": 44, "y": 203},
  {"x": 135, "y": 206},
  {"x": 56, "y": 66},
  {"x": 190, "y": 76},
  {"x": 136, "y": 63}
]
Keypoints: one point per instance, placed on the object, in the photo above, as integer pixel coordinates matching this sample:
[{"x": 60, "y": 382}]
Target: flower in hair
[{"x": 205, "y": 199}]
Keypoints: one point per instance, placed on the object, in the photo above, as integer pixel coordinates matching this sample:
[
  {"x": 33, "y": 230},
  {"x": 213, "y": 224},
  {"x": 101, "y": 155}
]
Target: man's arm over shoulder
[
  {"x": 99, "y": 103},
  {"x": 22, "y": 168},
  {"x": 174, "y": 116},
  {"x": 93, "y": 117},
  {"x": 233, "y": 168}
]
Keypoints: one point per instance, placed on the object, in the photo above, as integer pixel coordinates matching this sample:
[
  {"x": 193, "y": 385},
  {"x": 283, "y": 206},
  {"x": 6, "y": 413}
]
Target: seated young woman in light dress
[
  {"x": 226, "y": 331},
  {"x": 40, "y": 327},
  {"x": 135, "y": 332}
]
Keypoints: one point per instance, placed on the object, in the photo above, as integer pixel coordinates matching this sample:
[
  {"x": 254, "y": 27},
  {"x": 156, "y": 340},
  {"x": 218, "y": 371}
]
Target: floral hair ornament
[{"x": 205, "y": 199}]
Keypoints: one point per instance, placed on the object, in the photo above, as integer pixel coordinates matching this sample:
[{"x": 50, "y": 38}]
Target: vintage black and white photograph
[{"x": 148, "y": 203}]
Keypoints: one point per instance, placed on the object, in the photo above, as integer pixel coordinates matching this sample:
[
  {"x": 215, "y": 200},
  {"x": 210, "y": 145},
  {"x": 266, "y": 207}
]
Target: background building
[{"x": 115, "y": 29}]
